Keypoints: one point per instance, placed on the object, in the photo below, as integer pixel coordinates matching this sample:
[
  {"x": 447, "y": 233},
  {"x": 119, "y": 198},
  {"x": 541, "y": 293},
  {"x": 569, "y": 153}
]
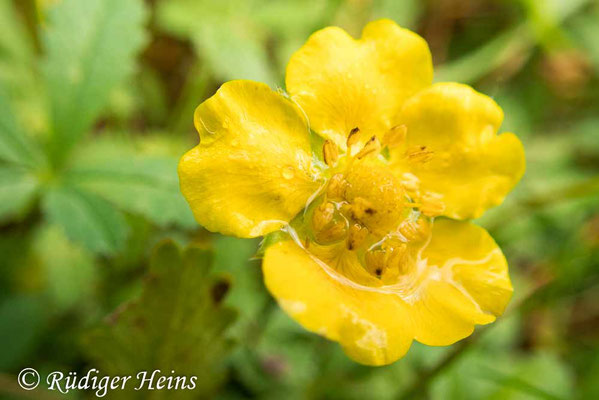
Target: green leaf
[
  {"x": 14, "y": 42},
  {"x": 15, "y": 146},
  {"x": 18, "y": 69},
  {"x": 70, "y": 271},
  {"x": 230, "y": 43},
  {"x": 86, "y": 218},
  {"x": 17, "y": 190},
  {"x": 178, "y": 324},
  {"x": 234, "y": 52},
  {"x": 91, "y": 47},
  {"x": 148, "y": 186}
]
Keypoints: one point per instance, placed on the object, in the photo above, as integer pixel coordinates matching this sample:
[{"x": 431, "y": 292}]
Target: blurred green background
[{"x": 103, "y": 266}]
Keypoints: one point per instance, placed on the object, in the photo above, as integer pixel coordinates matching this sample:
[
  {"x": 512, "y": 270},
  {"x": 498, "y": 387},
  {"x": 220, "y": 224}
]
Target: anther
[
  {"x": 375, "y": 262},
  {"x": 415, "y": 230},
  {"x": 431, "y": 204},
  {"x": 410, "y": 182},
  {"x": 353, "y": 136},
  {"x": 334, "y": 233},
  {"x": 396, "y": 136},
  {"x": 357, "y": 235},
  {"x": 396, "y": 259},
  {"x": 387, "y": 262},
  {"x": 336, "y": 188},
  {"x": 322, "y": 216},
  {"x": 372, "y": 146},
  {"x": 419, "y": 154},
  {"x": 330, "y": 153},
  {"x": 327, "y": 228}
]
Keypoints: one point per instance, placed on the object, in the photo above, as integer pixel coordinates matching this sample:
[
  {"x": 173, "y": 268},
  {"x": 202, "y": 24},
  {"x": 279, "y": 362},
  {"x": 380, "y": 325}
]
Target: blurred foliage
[
  {"x": 96, "y": 104},
  {"x": 179, "y": 316}
]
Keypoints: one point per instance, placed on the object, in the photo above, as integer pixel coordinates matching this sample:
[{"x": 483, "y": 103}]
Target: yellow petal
[
  {"x": 373, "y": 328},
  {"x": 343, "y": 83},
  {"x": 468, "y": 166},
  {"x": 460, "y": 279},
  {"x": 466, "y": 283},
  {"x": 250, "y": 174}
]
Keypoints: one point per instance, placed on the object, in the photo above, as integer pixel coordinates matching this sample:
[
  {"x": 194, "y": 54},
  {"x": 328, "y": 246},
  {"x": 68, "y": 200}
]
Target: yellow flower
[{"x": 376, "y": 251}]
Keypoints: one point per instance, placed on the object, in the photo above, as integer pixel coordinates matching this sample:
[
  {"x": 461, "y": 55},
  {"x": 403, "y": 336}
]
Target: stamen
[
  {"x": 432, "y": 204},
  {"x": 327, "y": 228},
  {"x": 335, "y": 232},
  {"x": 410, "y": 183},
  {"x": 330, "y": 152},
  {"x": 336, "y": 188},
  {"x": 372, "y": 146},
  {"x": 396, "y": 258},
  {"x": 419, "y": 154},
  {"x": 322, "y": 216},
  {"x": 415, "y": 230},
  {"x": 352, "y": 138},
  {"x": 357, "y": 235},
  {"x": 395, "y": 137},
  {"x": 388, "y": 262},
  {"x": 376, "y": 262}
]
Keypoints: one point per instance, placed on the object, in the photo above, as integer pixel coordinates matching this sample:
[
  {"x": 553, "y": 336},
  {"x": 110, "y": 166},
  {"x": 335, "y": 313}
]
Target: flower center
[{"x": 365, "y": 224}]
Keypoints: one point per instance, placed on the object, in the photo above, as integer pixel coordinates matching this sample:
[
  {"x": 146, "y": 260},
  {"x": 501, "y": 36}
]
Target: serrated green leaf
[
  {"x": 91, "y": 47},
  {"x": 18, "y": 187},
  {"x": 178, "y": 324},
  {"x": 86, "y": 218},
  {"x": 148, "y": 186}
]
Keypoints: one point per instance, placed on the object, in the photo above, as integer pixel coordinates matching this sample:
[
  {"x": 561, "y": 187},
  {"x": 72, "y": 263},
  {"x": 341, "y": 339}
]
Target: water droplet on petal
[{"x": 288, "y": 172}]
